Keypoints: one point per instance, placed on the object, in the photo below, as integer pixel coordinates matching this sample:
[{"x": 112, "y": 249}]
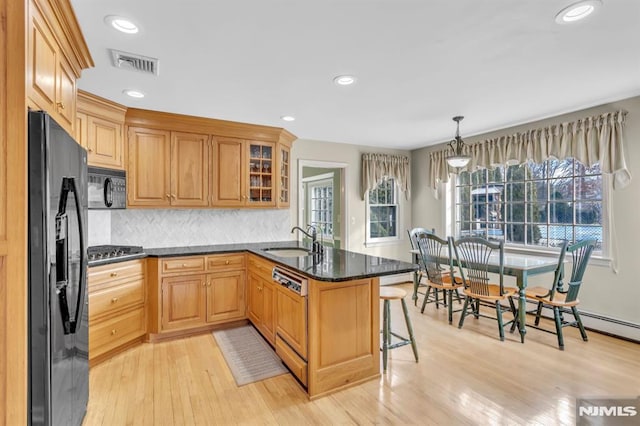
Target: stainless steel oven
[{"x": 107, "y": 188}]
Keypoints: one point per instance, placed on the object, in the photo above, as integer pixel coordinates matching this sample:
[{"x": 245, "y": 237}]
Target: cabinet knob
[
  {"x": 184, "y": 265},
  {"x": 208, "y": 283},
  {"x": 113, "y": 332},
  {"x": 167, "y": 195},
  {"x": 114, "y": 300},
  {"x": 226, "y": 262},
  {"x": 60, "y": 105},
  {"x": 89, "y": 150},
  {"x": 173, "y": 196},
  {"x": 114, "y": 274},
  {"x": 204, "y": 284}
]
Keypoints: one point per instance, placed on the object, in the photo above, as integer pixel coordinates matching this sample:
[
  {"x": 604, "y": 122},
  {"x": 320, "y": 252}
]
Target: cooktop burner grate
[{"x": 112, "y": 251}]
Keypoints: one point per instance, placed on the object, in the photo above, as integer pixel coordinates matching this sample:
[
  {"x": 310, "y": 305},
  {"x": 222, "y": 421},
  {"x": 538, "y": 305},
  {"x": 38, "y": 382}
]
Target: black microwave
[{"x": 107, "y": 188}]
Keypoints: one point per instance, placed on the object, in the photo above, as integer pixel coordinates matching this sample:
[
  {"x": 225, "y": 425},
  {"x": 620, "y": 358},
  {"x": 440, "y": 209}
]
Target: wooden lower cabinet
[
  {"x": 183, "y": 304},
  {"x": 261, "y": 305},
  {"x": 193, "y": 293},
  {"x": 117, "y": 308}
]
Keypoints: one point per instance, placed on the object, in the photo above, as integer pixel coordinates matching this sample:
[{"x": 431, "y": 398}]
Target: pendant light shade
[{"x": 458, "y": 159}]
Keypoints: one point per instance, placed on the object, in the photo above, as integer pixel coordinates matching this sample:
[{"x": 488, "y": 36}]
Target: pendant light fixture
[{"x": 458, "y": 159}]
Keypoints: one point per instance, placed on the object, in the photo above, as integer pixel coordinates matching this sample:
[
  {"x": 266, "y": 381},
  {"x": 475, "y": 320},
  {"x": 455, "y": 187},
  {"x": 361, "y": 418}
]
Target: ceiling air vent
[{"x": 134, "y": 62}]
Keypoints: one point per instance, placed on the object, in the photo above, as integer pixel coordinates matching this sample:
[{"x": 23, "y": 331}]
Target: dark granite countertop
[{"x": 333, "y": 265}]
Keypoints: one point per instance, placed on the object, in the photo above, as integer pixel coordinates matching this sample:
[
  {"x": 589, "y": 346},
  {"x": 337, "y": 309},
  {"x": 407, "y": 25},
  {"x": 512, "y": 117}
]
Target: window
[
  {"x": 535, "y": 205},
  {"x": 382, "y": 212},
  {"x": 321, "y": 207}
]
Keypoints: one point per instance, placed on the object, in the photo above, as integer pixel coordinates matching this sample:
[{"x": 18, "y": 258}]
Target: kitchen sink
[{"x": 288, "y": 252}]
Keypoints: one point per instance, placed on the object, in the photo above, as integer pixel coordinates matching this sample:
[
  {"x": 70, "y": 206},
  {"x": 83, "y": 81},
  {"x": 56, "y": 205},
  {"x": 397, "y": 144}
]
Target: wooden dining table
[{"x": 520, "y": 266}]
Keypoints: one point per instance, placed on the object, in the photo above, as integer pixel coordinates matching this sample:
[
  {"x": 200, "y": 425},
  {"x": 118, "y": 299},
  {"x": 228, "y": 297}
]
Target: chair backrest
[
  {"x": 580, "y": 254},
  {"x": 435, "y": 256},
  {"x": 473, "y": 255},
  {"x": 414, "y": 232}
]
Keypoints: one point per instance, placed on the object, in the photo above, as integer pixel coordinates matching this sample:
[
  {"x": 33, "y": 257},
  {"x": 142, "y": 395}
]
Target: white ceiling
[{"x": 418, "y": 63}]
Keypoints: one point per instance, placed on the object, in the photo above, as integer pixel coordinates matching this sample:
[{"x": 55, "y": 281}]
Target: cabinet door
[
  {"x": 104, "y": 143},
  {"x": 255, "y": 309},
  {"x": 149, "y": 168},
  {"x": 189, "y": 169},
  {"x": 291, "y": 319},
  {"x": 260, "y": 174},
  {"x": 183, "y": 304},
  {"x": 269, "y": 310},
  {"x": 228, "y": 172},
  {"x": 43, "y": 61},
  {"x": 81, "y": 129},
  {"x": 284, "y": 172},
  {"x": 225, "y": 296},
  {"x": 66, "y": 95}
]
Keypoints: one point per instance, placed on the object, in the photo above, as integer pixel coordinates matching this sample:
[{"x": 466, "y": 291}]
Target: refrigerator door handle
[{"x": 62, "y": 256}]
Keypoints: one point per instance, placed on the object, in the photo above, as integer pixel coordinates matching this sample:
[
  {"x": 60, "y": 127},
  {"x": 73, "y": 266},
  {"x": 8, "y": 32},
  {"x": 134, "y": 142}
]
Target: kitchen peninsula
[{"x": 327, "y": 333}]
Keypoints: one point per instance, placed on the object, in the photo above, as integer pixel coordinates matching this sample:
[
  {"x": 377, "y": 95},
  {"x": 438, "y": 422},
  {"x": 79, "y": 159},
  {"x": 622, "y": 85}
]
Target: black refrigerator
[{"x": 58, "y": 310}]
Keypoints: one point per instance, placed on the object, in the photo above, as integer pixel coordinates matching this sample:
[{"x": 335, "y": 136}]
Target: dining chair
[
  {"x": 436, "y": 260},
  {"x": 413, "y": 232},
  {"x": 473, "y": 255},
  {"x": 558, "y": 298}
]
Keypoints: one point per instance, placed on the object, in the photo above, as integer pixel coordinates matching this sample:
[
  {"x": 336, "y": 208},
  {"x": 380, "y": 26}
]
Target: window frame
[
  {"x": 601, "y": 256},
  {"x": 372, "y": 242}
]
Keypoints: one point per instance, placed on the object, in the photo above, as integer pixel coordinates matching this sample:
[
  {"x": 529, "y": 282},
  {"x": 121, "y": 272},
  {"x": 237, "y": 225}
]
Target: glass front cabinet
[
  {"x": 261, "y": 172},
  {"x": 284, "y": 189}
]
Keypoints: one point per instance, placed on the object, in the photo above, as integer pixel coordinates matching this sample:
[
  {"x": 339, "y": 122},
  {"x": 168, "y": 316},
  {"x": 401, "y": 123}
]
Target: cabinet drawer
[
  {"x": 183, "y": 264},
  {"x": 116, "y": 331},
  {"x": 260, "y": 267},
  {"x": 115, "y": 298},
  {"x": 225, "y": 262},
  {"x": 297, "y": 365},
  {"x": 115, "y": 272}
]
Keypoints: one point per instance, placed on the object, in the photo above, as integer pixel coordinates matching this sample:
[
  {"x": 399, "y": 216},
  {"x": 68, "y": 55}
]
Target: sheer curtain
[
  {"x": 377, "y": 166},
  {"x": 596, "y": 139}
]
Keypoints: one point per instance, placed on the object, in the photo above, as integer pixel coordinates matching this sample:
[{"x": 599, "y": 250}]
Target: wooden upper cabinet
[
  {"x": 102, "y": 135},
  {"x": 149, "y": 178},
  {"x": 228, "y": 170},
  {"x": 214, "y": 163},
  {"x": 283, "y": 190},
  {"x": 57, "y": 54},
  {"x": 189, "y": 169}
]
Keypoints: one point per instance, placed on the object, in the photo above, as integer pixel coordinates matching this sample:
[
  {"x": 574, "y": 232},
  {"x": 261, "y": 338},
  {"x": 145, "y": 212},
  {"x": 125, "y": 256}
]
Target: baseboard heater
[{"x": 602, "y": 324}]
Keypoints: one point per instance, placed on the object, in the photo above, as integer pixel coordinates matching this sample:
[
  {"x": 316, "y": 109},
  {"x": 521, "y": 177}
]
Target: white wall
[
  {"x": 604, "y": 292},
  {"x": 356, "y": 207}
]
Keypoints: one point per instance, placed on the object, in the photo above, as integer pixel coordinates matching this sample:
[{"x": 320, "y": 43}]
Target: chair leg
[
  {"x": 385, "y": 334},
  {"x": 464, "y": 311},
  {"x": 450, "y": 293},
  {"x": 556, "y": 316},
  {"x": 477, "y": 310},
  {"x": 426, "y": 299},
  {"x": 576, "y": 315},
  {"x": 444, "y": 297},
  {"x": 514, "y": 311},
  {"x": 435, "y": 293},
  {"x": 538, "y": 314},
  {"x": 409, "y": 329},
  {"x": 458, "y": 297},
  {"x": 500, "y": 323}
]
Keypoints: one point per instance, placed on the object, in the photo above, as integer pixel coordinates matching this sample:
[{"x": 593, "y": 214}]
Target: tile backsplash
[
  {"x": 99, "y": 227},
  {"x": 153, "y": 228}
]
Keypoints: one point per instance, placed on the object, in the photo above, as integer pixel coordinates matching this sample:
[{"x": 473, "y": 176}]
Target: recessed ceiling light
[
  {"x": 288, "y": 118},
  {"x": 577, "y": 11},
  {"x": 344, "y": 80},
  {"x": 121, "y": 24},
  {"x": 133, "y": 93}
]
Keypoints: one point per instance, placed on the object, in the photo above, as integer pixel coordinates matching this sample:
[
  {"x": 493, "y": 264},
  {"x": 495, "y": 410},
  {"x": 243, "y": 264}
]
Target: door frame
[{"x": 344, "y": 223}]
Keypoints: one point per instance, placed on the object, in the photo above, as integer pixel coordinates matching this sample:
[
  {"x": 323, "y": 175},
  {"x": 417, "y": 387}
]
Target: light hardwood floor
[{"x": 464, "y": 376}]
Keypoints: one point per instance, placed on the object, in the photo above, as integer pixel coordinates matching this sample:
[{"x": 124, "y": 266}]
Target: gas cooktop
[{"x": 112, "y": 252}]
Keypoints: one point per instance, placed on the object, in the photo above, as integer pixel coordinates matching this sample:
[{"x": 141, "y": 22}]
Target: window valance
[
  {"x": 596, "y": 139},
  {"x": 377, "y": 166}
]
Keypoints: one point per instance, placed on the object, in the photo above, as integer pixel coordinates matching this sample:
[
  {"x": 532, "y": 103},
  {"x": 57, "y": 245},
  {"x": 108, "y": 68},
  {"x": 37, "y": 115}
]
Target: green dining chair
[
  {"x": 473, "y": 255},
  {"x": 436, "y": 260},
  {"x": 558, "y": 297},
  {"x": 413, "y": 232}
]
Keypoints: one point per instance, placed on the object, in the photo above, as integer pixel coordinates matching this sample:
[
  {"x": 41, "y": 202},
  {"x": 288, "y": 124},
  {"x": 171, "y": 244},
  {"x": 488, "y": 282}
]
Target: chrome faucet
[{"x": 316, "y": 247}]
